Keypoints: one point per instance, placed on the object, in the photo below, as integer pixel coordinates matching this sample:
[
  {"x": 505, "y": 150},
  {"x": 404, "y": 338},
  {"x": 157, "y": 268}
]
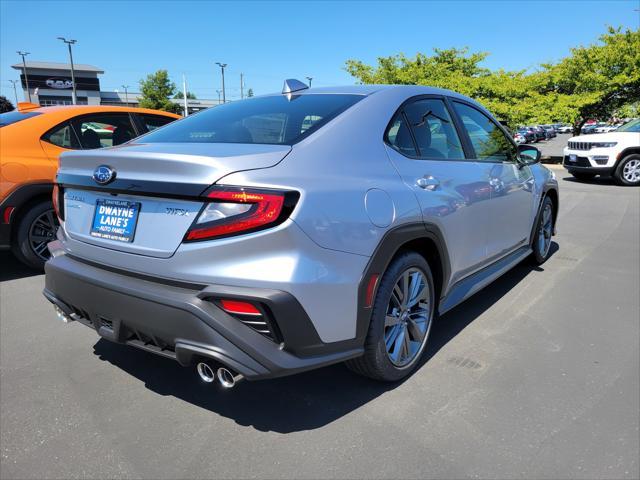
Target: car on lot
[
  {"x": 564, "y": 128},
  {"x": 32, "y": 139},
  {"x": 285, "y": 232},
  {"x": 539, "y": 132},
  {"x": 550, "y": 130},
  {"x": 528, "y": 133},
  {"x": 519, "y": 138},
  {"x": 615, "y": 154}
]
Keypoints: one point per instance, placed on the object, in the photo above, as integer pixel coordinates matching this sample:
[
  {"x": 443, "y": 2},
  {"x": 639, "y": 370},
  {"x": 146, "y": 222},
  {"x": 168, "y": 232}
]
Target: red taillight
[
  {"x": 261, "y": 210},
  {"x": 238, "y": 307}
]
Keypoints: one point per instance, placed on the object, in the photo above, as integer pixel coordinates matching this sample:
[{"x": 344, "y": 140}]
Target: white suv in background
[{"x": 615, "y": 154}]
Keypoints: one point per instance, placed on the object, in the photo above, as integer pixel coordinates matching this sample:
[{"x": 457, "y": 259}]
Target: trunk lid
[{"x": 153, "y": 200}]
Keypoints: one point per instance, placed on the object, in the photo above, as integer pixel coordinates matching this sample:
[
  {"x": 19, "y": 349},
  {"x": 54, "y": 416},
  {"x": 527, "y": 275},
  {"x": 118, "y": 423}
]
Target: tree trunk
[{"x": 577, "y": 127}]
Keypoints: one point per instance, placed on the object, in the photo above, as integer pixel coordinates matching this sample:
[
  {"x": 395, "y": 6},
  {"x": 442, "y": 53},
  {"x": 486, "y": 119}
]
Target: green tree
[
  {"x": 5, "y": 105},
  {"x": 250, "y": 92},
  {"x": 593, "y": 82},
  {"x": 157, "y": 90},
  {"x": 190, "y": 96}
]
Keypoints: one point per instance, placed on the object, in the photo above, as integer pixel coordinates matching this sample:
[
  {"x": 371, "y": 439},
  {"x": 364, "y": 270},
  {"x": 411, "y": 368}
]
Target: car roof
[
  {"x": 72, "y": 110},
  {"x": 370, "y": 89}
]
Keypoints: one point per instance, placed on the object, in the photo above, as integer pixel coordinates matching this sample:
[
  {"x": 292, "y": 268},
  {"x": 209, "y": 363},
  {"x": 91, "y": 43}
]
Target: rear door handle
[{"x": 428, "y": 182}]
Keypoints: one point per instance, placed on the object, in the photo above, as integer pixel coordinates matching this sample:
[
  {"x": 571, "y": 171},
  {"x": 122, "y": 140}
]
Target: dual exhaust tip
[{"x": 226, "y": 378}]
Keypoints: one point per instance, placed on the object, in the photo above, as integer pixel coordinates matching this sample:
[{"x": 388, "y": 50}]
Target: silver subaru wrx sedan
[{"x": 286, "y": 232}]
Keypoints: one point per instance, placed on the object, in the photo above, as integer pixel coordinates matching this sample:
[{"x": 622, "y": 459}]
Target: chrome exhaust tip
[
  {"x": 227, "y": 379},
  {"x": 61, "y": 315},
  {"x": 205, "y": 372}
]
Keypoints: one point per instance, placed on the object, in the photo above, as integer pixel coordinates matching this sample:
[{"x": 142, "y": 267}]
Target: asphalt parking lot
[{"x": 537, "y": 376}]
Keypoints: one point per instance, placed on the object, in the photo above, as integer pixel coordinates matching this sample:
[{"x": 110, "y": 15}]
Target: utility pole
[
  {"x": 241, "y": 86},
  {"x": 184, "y": 95},
  {"x": 126, "y": 94},
  {"x": 24, "y": 66},
  {"x": 15, "y": 92},
  {"x": 73, "y": 76},
  {"x": 309, "y": 78},
  {"x": 224, "y": 93}
]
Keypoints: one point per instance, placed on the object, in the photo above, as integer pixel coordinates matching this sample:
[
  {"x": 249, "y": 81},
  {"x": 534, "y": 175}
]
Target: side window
[
  {"x": 151, "y": 122},
  {"x": 435, "y": 133},
  {"x": 62, "y": 136},
  {"x": 489, "y": 141},
  {"x": 399, "y": 136},
  {"x": 104, "y": 130}
]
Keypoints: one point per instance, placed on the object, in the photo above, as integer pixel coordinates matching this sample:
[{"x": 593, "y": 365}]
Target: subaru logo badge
[{"x": 104, "y": 174}]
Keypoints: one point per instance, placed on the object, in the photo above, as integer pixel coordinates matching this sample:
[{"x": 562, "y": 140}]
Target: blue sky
[{"x": 271, "y": 41}]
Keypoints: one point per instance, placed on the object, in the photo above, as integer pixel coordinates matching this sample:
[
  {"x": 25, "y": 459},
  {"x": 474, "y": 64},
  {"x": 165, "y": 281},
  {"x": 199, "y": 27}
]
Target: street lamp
[
  {"x": 309, "y": 78},
  {"x": 73, "y": 77},
  {"x": 15, "y": 92},
  {"x": 222, "y": 67},
  {"x": 126, "y": 95},
  {"x": 218, "y": 92},
  {"x": 24, "y": 66}
]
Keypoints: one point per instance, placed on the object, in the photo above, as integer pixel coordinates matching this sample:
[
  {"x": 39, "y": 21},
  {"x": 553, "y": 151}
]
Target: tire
[
  {"x": 391, "y": 322},
  {"x": 544, "y": 230},
  {"x": 628, "y": 171},
  {"x": 35, "y": 229},
  {"x": 582, "y": 176}
]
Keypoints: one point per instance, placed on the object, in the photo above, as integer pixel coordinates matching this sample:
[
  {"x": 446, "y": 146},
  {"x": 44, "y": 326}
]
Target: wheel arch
[
  {"x": 24, "y": 196},
  {"x": 425, "y": 239}
]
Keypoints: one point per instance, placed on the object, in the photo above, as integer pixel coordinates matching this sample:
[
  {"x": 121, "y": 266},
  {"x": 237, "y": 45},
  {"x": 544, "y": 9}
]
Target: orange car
[{"x": 31, "y": 138}]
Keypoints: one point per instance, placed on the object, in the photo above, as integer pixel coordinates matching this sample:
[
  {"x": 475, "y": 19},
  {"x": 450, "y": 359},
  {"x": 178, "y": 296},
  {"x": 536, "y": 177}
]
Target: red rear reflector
[
  {"x": 371, "y": 290},
  {"x": 238, "y": 307},
  {"x": 55, "y": 198},
  {"x": 6, "y": 216}
]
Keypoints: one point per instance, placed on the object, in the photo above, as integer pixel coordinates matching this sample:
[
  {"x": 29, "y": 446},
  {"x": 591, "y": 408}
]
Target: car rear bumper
[{"x": 183, "y": 321}]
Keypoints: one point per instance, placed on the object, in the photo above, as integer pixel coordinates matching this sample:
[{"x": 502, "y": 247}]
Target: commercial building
[{"x": 50, "y": 84}]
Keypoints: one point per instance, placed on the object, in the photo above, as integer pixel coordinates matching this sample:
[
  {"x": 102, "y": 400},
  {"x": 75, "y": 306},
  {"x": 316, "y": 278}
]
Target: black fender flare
[
  {"x": 24, "y": 194},
  {"x": 390, "y": 244},
  {"x": 548, "y": 189}
]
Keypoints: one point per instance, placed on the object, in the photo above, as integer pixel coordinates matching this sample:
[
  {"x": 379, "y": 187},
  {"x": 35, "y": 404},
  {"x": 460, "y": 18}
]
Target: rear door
[
  {"x": 453, "y": 192},
  {"x": 511, "y": 182}
]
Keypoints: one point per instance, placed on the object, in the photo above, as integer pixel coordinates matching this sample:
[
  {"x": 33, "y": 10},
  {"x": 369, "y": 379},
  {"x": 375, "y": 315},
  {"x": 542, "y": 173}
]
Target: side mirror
[{"x": 528, "y": 154}]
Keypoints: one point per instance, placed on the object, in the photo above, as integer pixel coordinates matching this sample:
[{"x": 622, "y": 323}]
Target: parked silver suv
[{"x": 286, "y": 232}]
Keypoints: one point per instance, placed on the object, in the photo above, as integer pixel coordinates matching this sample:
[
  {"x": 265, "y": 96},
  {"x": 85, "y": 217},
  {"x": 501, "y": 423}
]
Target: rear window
[
  {"x": 15, "y": 116},
  {"x": 278, "y": 120}
]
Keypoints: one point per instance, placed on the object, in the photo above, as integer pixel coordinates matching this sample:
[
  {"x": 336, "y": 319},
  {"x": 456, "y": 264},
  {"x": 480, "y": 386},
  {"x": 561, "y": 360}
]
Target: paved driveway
[{"x": 536, "y": 376}]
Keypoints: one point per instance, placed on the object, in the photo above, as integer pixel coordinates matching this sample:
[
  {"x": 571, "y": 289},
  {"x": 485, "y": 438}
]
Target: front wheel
[
  {"x": 628, "y": 171},
  {"x": 401, "y": 319},
  {"x": 544, "y": 231}
]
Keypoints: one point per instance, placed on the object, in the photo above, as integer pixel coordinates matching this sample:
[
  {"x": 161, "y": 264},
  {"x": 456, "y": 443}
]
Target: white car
[
  {"x": 615, "y": 154},
  {"x": 565, "y": 129}
]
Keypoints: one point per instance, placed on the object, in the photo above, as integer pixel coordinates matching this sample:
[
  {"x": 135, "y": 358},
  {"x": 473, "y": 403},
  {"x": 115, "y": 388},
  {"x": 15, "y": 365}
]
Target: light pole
[
  {"x": 73, "y": 76},
  {"x": 218, "y": 92},
  {"x": 309, "y": 78},
  {"x": 224, "y": 93},
  {"x": 15, "y": 92},
  {"x": 241, "y": 86},
  {"x": 126, "y": 94},
  {"x": 24, "y": 66}
]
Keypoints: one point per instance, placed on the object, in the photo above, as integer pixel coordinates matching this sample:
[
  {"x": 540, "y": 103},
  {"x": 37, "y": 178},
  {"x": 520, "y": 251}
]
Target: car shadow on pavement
[
  {"x": 12, "y": 269},
  {"x": 593, "y": 181},
  {"x": 300, "y": 402}
]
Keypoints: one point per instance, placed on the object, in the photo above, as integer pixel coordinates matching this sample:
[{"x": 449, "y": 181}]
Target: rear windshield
[
  {"x": 15, "y": 116},
  {"x": 278, "y": 120}
]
